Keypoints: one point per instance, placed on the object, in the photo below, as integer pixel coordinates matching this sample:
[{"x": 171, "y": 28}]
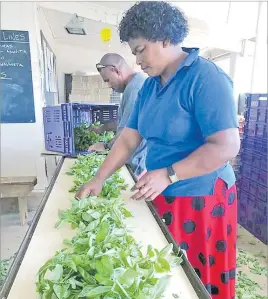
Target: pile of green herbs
[
  {"x": 103, "y": 260},
  {"x": 85, "y": 168},
  {"x": 245, "y": 286},
  {"x": 84, "y": 137},
  {"x": 4, "y": 268}
]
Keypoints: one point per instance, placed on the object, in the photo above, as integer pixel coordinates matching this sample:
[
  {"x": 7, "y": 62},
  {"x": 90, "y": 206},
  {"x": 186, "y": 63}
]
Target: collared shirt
[
  {"x": 196, "y": 102},
  {"x": 130, "y": 94}
]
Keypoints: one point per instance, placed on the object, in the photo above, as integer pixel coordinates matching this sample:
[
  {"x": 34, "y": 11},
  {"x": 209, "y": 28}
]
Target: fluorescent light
[
  {"x": 76, "y": 31},
  {"x": 76, "y": 26}
]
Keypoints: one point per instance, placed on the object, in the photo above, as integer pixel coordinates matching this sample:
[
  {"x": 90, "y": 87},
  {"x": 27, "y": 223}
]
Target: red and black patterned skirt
[{"x": 206, "y": 227}]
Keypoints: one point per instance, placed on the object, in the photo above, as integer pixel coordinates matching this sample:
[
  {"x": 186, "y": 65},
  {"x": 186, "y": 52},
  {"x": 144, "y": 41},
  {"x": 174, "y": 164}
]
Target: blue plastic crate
[
  {"x": 262, "y": 193},
  {"x": 255, "y": 129},
  {"x": 256, "y": 114},
  {"x": 252, "y": 215},
  {"x": 246, "y": 157},
  {"x": 60, "y": 121},
  {"x": 255, "y": 145},
  {"x": 245, "y": 170},
  {"x": 256, "y": 100}
]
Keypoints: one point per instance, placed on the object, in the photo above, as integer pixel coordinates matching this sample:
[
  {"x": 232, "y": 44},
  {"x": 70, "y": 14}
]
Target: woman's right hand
[{"x": 92, "y": 188}]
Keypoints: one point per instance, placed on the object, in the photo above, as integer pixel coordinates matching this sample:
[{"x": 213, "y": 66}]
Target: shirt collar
[
  {"x": 189, "y": 60},
  {"x": 193, "y": 55}
]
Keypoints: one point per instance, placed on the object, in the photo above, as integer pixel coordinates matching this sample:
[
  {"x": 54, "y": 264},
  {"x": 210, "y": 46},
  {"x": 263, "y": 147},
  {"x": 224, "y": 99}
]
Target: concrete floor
[
  {"x": 255, "y": 253},
  {"x": 12, "y": 234}
]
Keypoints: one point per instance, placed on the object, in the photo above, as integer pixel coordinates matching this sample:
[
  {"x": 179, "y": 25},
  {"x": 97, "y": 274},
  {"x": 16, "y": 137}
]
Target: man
[{"x": 121, "y": 78}]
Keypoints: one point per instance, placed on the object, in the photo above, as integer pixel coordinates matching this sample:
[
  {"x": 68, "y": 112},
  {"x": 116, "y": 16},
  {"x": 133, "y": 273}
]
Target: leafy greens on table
[
  {"x": 84, "y": 137},
  {"x": 103, "y": 260}
]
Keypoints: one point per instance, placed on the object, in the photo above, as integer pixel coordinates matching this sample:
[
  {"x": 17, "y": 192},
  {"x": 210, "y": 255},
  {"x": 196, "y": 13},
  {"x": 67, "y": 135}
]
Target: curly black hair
[{"x": 154, "y": 21}]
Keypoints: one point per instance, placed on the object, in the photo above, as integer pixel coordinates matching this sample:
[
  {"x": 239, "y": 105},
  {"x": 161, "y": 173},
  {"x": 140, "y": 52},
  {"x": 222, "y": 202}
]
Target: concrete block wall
[{"x": 90, "y": 89}]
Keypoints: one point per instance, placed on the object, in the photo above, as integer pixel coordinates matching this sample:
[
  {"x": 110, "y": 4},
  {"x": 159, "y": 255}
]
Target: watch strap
[
  {"x": 172, "y": 174},
  {"x": 171, "y": 171},
  {"x": 106, "y": 145}
]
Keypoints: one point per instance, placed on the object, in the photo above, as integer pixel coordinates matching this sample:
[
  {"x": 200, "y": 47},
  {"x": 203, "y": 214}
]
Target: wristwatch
[
  {"x": 172, "y": 174},
  {"x": 107, "y": 145}
]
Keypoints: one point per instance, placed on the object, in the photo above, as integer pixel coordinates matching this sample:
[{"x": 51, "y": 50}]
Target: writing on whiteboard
[
  {"x": 13, "y": 36},
  {"x": 3, "y": 76},
  {"x": 14, "y": 64},
  {"x": 6, "y": 46},
  {"x": 16, "y": 52}
]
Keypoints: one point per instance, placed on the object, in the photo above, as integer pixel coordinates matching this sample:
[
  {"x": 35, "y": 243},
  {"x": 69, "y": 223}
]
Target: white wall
[
  {"x": 46, "y": 30},
  {"x": 73, "y": 58},
  {"x": 259, "y": 71},
  {"x": 21, "y": 144}
]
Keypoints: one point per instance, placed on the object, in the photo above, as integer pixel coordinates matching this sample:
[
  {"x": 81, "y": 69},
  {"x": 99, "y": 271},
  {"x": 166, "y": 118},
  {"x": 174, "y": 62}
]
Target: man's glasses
[{"x": 100, "y": 66}]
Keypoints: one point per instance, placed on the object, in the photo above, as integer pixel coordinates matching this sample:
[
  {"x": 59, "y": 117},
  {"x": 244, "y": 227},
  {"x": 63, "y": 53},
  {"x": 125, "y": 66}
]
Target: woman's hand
[
  {"x": 97, "y": 147},
  {"x": 152, "y": 184},
  {"x": 92, "y": 188}
]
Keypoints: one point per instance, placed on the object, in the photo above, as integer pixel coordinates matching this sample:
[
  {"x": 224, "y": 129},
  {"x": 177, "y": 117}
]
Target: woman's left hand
[{"x": 152, "y": 184}]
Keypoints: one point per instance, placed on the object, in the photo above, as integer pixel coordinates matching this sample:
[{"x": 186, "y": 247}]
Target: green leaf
[
  {"x": 128, "y": 277},
  {"x": 93, "y": 292},
  {"x": 104, "y": 280},
  {"x": 103, "y": 232},
  {"x": 86, "y": 217},
  {"x": 91, "y": 252},
  {"x": 92, "y": 225},
  {"x": 61, "y": 291},
  {"x": 88, "y": 278},
  {"x": 164, "y": 264},
  {"x": 160, "y": 287},
  {"x": 166, "y": 251},
  {"x": 104, "y": 266},
  {"x": 94, "y": 214},
  {"x": 151, "y": 252},
  {"x": 57, "y": 273}
]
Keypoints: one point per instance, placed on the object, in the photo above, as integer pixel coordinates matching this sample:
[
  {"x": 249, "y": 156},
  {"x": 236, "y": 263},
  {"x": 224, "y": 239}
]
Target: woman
[{"x": 186, "y": 112}]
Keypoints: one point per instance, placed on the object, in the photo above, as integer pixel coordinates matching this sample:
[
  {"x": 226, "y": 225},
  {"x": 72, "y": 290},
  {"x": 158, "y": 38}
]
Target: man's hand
[
  {"x": 97, "y": 130},
  {"x": 152, "y": 184},
  {"x": 97, "y": 147},
  {"x": 92, "y": 188}
]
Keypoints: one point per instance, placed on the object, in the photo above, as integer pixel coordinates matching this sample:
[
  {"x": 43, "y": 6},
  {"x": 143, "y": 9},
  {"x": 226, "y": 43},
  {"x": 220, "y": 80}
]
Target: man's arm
[
  {"x": 110, "y": 126},
  {"x": 111, "y": 143},
  {"x": 127, "y": 106},
  {"x": 128, "y": 103},
  {"x": 122, "y": 150}
]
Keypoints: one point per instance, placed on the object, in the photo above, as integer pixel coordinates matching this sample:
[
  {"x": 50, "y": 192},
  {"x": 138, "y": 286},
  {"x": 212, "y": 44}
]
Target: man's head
[{"x": 115, "y": 71}]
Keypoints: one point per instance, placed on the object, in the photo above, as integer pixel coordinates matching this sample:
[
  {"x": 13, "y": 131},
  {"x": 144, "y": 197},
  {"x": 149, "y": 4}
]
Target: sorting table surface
[{"x": 46, "y": 239}]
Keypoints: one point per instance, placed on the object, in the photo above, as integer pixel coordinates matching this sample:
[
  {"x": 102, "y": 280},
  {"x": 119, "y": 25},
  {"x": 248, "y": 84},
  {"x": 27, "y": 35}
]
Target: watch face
[{"x": 173, "y": 178}]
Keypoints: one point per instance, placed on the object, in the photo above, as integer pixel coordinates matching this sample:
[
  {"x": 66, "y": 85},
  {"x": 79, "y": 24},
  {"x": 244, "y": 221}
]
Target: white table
[{"x": 47, "y": 239}]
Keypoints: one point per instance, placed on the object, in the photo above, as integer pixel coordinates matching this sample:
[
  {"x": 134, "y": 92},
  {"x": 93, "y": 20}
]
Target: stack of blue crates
[{"x": 252, "y": 186}]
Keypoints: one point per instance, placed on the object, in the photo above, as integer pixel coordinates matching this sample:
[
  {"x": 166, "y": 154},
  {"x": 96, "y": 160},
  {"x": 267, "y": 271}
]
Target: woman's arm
[
  {"x": 123, "y": 148},
  {"x": 218, "y": 149}
]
